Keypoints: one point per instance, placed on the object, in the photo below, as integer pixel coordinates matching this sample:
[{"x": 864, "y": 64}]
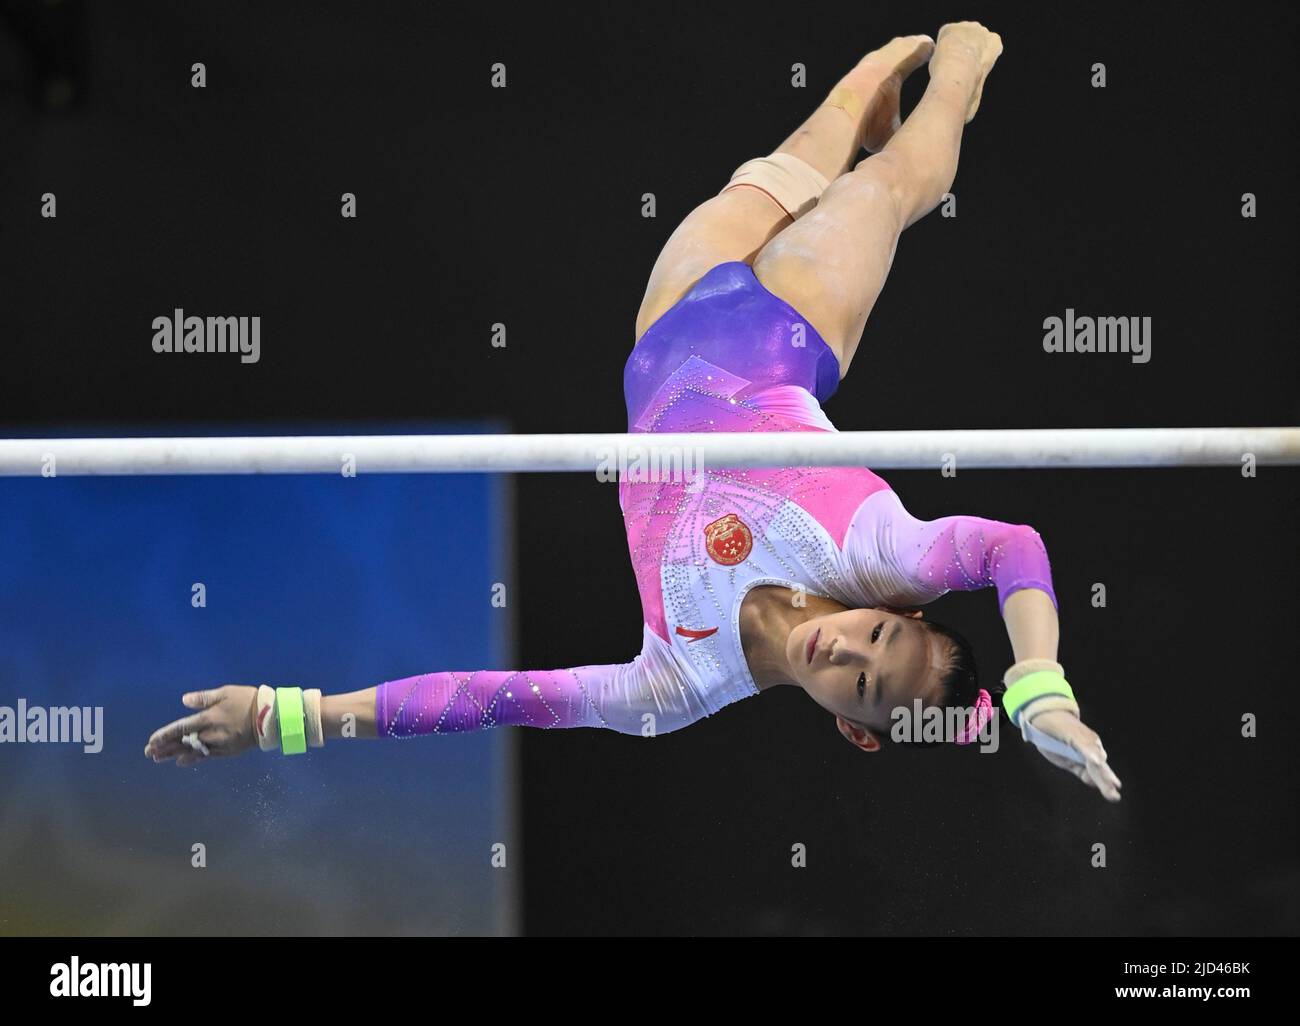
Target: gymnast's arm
[
  {"x": 910, "y": 560},
  {"x": 966, "y": 553},
  {"x": 452, "y": 703},
  {"x": 643, "y": 697},
  {"x": 626, "y": 697},
  {"x": 894, "y": 553}
]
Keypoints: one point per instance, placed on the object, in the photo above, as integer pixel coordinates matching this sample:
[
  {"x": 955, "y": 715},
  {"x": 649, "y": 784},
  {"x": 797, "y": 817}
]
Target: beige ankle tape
[
  {"x": 846, "y": 100},
  {"x": 792, "y": 184}
]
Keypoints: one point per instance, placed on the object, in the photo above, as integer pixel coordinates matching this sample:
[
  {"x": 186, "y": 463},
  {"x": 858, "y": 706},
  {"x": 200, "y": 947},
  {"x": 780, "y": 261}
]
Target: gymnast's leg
[
  {"x": 861, "y": 110},
  {"x": 832, "y": 264}
]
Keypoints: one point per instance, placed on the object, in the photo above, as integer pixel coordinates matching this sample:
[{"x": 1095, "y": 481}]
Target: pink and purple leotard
[{"x": 729, "y": 356}]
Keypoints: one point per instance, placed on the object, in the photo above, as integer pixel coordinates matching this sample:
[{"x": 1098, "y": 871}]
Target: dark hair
[{"x": 960, "y": 681}]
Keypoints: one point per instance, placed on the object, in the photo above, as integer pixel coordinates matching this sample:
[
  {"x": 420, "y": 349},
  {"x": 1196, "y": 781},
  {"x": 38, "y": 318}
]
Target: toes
[
  {"x": 921, "y": 49},
  {"x": 903, "y": 54}
]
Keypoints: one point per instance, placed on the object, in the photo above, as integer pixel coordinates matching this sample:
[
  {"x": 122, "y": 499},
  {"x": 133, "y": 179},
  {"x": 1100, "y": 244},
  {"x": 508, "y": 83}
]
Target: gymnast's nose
[{"x": 843, "y": 653}]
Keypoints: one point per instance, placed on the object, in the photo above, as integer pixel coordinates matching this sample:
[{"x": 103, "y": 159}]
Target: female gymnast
[{"x": 751, "y": 579}]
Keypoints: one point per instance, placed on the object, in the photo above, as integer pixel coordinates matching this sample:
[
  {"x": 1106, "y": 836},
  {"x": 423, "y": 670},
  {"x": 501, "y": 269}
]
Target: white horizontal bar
[{"x": 423, "y": 454}]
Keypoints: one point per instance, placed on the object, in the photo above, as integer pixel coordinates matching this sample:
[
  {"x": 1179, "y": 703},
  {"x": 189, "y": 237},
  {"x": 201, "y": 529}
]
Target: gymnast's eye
[
  {"x": 875, "y": 634},
  {"x": 862, "y": 684}
]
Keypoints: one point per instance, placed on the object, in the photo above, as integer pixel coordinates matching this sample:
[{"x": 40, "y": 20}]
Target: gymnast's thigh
[{"x": 732, "y": 226}]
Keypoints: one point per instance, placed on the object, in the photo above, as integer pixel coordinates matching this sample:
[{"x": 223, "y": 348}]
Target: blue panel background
[{"x": 320, "y": 581}]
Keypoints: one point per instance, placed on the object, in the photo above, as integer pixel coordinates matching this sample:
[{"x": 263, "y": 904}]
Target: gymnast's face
[{"x": 861, "y": 664}]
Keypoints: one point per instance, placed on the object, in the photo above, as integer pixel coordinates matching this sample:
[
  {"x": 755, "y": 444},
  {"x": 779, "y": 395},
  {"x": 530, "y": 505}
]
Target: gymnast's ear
[{"x": 859, "y": 737}]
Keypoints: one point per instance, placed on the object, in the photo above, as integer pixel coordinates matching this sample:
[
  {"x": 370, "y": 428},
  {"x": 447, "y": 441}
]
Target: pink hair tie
[{"x": 979, "y": 716}]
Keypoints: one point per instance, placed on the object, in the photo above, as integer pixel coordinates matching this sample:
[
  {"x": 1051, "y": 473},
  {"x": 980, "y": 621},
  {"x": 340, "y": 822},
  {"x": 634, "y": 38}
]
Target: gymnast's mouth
[{"x": 812, "y": 644}]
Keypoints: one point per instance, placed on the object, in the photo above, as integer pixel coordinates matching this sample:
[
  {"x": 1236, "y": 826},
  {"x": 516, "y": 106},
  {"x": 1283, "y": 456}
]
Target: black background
[{"x": 523, "y": 206}]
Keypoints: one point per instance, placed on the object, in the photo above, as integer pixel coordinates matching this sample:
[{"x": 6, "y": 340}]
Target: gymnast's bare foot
[
  {"x": 963, "y": 47},
  {"x": 879, "y": 78}
]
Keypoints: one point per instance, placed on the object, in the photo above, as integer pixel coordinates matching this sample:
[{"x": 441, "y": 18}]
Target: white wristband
[{"x": 265, "y": 726}]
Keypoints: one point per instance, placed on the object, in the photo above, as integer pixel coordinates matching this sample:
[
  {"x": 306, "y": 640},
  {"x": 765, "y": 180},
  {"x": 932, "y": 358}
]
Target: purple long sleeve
[
  {"x": 964, "y": 553},
  {"x": 452, "y": 701},
  {"x": 646, "y": 696},
  {"x": 895, "y": 557}
]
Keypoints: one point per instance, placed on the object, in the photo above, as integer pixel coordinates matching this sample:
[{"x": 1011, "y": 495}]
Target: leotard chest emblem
[{"x": 728, "y": 540}]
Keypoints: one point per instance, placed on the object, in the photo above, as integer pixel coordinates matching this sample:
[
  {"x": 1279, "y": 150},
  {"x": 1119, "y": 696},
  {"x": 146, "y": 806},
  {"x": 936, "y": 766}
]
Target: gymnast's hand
[
  {"x": 224, "y": 727},
  {"x": 1066, "y": 727}
]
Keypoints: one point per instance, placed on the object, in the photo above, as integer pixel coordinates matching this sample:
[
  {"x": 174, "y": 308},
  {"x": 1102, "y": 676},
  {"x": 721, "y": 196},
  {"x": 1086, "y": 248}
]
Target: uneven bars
[{"x": 422, "y": 454}]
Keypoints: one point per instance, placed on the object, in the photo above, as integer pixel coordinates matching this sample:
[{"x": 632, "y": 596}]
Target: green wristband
[
  {"x": 1032, "y": 686},
  {"x": 292, "y": 719}
]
